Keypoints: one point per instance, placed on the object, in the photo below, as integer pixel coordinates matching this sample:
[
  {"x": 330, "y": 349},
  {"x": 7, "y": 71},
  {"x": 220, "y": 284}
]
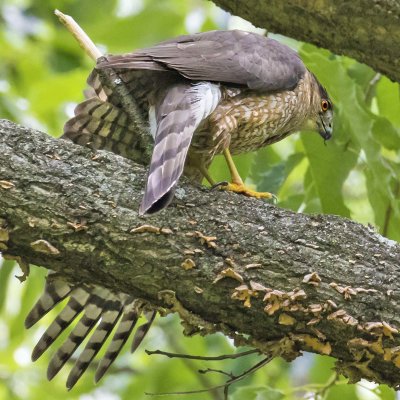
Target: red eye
[{"x": 324, "y": 105}]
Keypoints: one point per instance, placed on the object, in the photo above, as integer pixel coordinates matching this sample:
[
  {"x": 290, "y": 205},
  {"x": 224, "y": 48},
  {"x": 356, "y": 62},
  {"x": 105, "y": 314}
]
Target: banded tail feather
[
  {"x": 125, "y": 327},
  {"x": 75, "y": 305},
  {"x": 91, "y": 314},
  {"x": 141, "y": 332},
  {"x": 108, "y": 321},
  {"x": 101, "y": 125},
  {"x": 56, "y": 290},
  {"x": 178, "y": 116},
  {"x": 96, "y": 308}
]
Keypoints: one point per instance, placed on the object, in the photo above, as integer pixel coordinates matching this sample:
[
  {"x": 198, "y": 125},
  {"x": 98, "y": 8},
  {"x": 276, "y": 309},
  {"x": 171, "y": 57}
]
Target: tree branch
[
  {"x": 366, "y": 30},
  {"x": 269, "y": 278}
]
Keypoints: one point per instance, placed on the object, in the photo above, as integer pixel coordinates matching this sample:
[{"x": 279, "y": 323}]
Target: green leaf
[
  {"x": 269, "y": 171},
  {"x": 388, "y": 99},
  {"x": 356, "y": 123},
  {"x": 386, "y": 134},
  {"x": 6, "y": 268},
  {"x": 329, "y": 166},
  {"x": 343, "y": 392},
  {"x": 385, "y": 392},
  {"x": 257, "y": 393}
]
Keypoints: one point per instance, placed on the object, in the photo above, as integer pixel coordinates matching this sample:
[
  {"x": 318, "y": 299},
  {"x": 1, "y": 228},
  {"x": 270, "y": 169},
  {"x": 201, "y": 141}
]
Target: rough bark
[
  {"x": 367, "y": 30},
  {"x": 64, "y": 208}
]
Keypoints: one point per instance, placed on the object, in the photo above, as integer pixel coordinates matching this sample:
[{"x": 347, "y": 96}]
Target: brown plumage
[{"x": 202, "y": 95}]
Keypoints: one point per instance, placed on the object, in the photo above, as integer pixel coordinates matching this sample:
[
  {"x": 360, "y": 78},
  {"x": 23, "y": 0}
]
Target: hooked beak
[{"x": 324, "y": 129}]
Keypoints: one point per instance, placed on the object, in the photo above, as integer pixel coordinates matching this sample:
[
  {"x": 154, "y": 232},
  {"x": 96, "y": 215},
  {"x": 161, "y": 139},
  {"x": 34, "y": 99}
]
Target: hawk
[{"x": 219, "y": 92}]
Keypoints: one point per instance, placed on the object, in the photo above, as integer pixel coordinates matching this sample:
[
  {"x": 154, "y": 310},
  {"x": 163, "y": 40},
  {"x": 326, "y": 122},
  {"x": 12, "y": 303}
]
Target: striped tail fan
[
  {"x": 95, "y": 308},
  {"x": 100, "y": 122},
  {"x": 101, "y": 125}
]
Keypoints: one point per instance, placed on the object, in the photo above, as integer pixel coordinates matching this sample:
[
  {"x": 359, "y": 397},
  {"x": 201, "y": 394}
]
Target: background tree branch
[
  {"x": 276, "y": 280},
  {"x": 366, "y": 30}
]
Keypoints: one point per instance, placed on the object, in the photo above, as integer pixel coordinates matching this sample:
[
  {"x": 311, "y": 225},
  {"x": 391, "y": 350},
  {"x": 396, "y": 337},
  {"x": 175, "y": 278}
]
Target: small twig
[
  {"x": 203, "y": 358},
  {"x": 370, "y": 92},
  {"x": 110, "y": 79},
  {"x": 226, "y": 392},
  {"x": 219, "y": 371},
  {"x": 312, "y": 387},
  {"x": 79, "y": 34},
  {"x": 225, "y": 386}
]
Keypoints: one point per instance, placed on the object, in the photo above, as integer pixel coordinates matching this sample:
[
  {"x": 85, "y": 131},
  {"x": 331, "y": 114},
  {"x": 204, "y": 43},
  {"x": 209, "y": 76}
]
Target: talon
[
  {"x": 241, "y": 188},
  {"x": 218, "y": 185}
]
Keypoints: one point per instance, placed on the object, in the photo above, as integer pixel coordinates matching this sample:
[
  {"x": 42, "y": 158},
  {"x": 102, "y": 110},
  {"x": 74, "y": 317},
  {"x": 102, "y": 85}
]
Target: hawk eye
[{"x": 324, "y": 105}]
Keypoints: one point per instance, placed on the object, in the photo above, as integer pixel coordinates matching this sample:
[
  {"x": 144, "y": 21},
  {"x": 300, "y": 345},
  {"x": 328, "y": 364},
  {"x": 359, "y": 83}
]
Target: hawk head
[{"x": 324, "y": 119}]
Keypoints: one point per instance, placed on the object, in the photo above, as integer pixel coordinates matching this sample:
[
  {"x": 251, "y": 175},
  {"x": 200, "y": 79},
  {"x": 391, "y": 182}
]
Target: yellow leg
[
  {"x": 237, "y": 184},
  {"x": 206, "y": 174},
  {"x": 235, "y": 177}
]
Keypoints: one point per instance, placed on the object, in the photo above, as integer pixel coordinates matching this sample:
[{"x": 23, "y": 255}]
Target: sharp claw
[
  {"x": 274, "y": 199},
  {"x": 219, "y": 184}
]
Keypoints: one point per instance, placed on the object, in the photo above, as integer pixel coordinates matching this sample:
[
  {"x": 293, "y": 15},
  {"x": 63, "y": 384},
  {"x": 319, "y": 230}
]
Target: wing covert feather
[{"x": 234, "y": 57}]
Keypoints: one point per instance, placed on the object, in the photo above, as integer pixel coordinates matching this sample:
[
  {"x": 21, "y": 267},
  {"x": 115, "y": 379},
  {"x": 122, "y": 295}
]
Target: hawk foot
[{"x": 243, "y": 189}]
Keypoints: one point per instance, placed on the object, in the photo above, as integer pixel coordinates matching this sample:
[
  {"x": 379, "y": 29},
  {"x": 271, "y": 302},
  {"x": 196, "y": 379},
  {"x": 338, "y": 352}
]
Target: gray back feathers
[{"x": 232, "y": 57}]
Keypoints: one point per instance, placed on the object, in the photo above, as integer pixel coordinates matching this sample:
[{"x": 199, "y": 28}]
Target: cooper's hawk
[{"x": 202, "y": 95}]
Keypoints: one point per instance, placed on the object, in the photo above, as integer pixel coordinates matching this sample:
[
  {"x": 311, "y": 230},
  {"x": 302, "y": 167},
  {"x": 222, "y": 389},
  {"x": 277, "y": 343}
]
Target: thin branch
[
  {"x": 203, "y": 358},
  {"x": 224, "y": 386},
  {"x": 218, "y": 371},
  {"x": 79, "y": 34},
  {"x": 329, "y": 384},
  {"x": 191, "y": 365}
]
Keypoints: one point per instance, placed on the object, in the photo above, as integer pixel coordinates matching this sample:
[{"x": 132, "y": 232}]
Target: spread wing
[{"x": 234, "y": 57}]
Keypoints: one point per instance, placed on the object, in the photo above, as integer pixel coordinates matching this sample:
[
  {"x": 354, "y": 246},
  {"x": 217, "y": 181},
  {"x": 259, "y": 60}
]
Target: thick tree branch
[
  {"x": 223, "y": 262},
  {"x": 367, "y": 30}
]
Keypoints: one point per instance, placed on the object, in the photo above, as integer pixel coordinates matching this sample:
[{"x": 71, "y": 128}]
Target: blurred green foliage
[{"x": 355, "y": 175}]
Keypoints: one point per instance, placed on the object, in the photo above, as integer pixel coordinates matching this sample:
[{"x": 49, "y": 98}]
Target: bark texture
[
  {"x": 367, "y": 30},
  {"x": 223, "y": 262}
]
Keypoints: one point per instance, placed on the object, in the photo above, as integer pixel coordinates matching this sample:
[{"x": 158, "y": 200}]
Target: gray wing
[
  {"x": 235, "y": 57},
  {"x": 177, "y": 115}
]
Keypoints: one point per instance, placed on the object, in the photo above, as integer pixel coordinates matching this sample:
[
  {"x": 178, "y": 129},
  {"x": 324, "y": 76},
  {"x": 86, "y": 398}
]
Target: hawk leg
[{"x": 237, "y": 185}]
